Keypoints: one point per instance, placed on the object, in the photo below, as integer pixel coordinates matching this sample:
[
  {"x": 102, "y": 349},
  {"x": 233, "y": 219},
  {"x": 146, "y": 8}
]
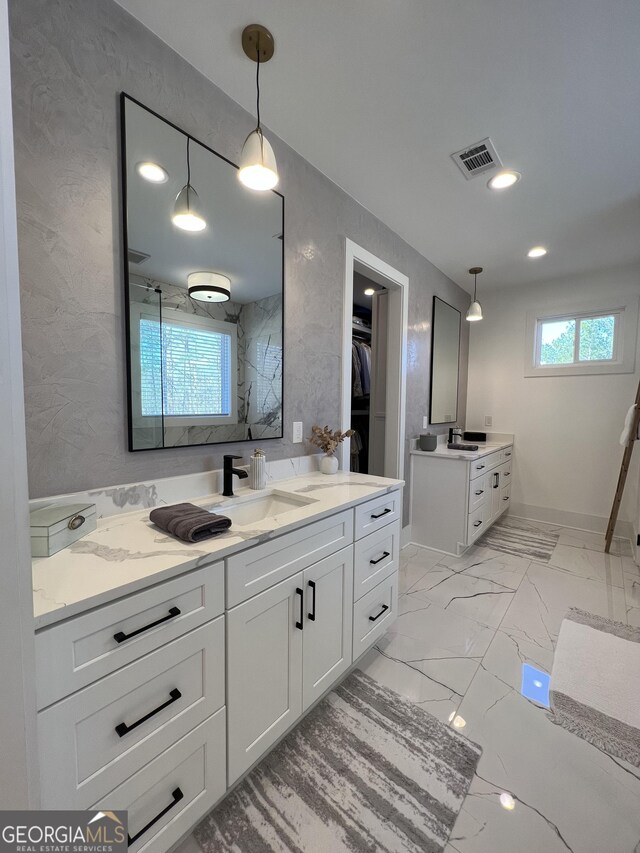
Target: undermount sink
[{"x": 249, "y": 509}]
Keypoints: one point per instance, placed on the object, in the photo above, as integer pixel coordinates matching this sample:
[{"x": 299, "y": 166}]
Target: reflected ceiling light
[
  {"x": 207, "y": 286},
  {"x": 537, "y": 252},
  {"x": 369, "y": 291},
  {"x": 258, "y": 169},
  {"x": 475, "y": 309},
  {"x": 503, "y": 180},
  {"x": 186, "y": 210},
  {"x": 152, "y": 172},
  {"x": 507, "y": 801}
]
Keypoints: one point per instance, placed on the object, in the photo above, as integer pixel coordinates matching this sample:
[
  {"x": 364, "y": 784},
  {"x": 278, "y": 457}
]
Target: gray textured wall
[{"x": 70, "y": 60}]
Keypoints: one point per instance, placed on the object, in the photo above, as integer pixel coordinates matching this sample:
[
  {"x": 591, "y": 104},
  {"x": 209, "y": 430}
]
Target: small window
[
  {"x": 575, "y": 340},
  {"x": 596, "y": 338}
]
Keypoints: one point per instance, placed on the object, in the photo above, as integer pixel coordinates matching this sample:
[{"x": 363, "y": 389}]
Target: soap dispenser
[{"x": 258, "y": 470}]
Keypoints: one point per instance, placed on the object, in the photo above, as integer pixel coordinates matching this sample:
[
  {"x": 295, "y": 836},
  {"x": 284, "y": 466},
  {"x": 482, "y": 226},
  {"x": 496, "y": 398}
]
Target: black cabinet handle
[
  {"x": 505, "y": 499},
  {"x": 384, "y": 512},
  {"x": 380, "y": 559},
  {"x": 312, "y": 615},
  {"x": 507, "y": 473},
  {"x": 123, "y": 729},
  {"x": 120, "y": 637},
  {"x": 385, "y": 607},
  {"x": 507, "y": 454},
  {"x": 480, "y": 492},
  {"x": 496, "y": 481},
  {"x": 177, "y": 796},
  {"x": 479, "y": 467},
  {"x": 300, "y": 592},
  {"x": 477, "y": 523}
]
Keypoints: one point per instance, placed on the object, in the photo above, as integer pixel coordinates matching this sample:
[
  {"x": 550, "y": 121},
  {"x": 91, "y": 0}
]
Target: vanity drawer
[
  {"x": 258, "y": 568},
  {"x": 83, "y": 649},
  {"x": 478, "y": 521},
  {"x": 506, "y": 455},
  {"x": 377, "y": 513},
  {"x": 505, "y": 497},
  {"x": 375, "y": 557},
  {"x": 479, "y": 467},
  {"x": 478, "y": 491},
  {"x": 97, "y": 738},
  {"x": 374, "y": 613},
  {"x": 174, "y": 791}
]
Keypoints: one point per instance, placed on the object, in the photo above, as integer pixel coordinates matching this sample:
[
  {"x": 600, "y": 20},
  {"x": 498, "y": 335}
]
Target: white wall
[
  {"x": 18, "y": 767},
  {"x": 566, "y": 427}
]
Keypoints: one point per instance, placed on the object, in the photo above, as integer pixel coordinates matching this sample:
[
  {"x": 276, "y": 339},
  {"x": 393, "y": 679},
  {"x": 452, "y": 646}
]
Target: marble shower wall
[{"x": 70, "y": 59}]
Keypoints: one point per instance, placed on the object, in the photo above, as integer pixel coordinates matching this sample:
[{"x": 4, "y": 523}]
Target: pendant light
[
  {"x": 207, "y": 286},
  {"x": 475, "y": 309},
  {"x": 186, "y": 210},
  {"x": 258, "y": 169}
]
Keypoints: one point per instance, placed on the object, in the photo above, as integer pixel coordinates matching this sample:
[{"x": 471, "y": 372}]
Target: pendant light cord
[
  {"x": 258, "y": 82},
  {"x": 475, "y": 286},
  {"x": 188, "y": 163}
]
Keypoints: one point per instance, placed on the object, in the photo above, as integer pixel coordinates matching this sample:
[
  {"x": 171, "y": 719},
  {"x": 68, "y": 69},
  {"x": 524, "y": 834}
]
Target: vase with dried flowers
[{"x": 328, "y": 440}]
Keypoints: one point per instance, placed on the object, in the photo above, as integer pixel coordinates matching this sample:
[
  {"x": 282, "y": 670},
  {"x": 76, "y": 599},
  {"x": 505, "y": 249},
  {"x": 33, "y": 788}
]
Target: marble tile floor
[{"x": 465, "y": 627}]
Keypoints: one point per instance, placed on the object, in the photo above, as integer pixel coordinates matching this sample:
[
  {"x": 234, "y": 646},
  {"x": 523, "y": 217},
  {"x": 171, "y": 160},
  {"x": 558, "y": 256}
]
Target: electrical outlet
[
  {"x": 297, "y": 432},
  {"x": 425, "y": 422},
  {"x": 488, "y": 420}
]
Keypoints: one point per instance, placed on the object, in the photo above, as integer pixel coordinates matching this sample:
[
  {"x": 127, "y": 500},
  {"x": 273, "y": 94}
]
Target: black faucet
[{"x": 228, "y": 473}]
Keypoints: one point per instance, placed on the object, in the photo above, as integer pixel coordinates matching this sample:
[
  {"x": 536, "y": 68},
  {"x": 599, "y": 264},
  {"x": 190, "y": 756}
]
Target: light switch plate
[
  {"x": 488, "y": 420},
  {"x": 297, "y": 432},
  {"x": 425, "y": 422}
]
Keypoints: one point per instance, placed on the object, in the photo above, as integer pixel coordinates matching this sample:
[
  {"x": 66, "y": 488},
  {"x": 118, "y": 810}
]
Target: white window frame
[
  {"x": 624, "y": 343},
  {"x": 138, "y": 310}
]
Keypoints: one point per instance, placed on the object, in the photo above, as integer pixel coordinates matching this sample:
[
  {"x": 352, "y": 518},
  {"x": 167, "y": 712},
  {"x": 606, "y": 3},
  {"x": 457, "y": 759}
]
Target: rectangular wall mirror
[
  {"x": 203, "y": 367},
  {"x": 445, "y": 353}
]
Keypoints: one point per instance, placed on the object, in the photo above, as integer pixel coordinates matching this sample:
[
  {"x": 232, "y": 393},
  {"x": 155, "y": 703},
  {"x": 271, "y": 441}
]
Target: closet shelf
[{"x": 361, "y": 329}]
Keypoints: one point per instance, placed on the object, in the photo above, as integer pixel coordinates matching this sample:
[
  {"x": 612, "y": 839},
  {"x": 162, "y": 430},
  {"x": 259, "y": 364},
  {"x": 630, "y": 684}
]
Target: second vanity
[
  {"x": 457, "y": 495},
  {"x": 165, "y": 671}
]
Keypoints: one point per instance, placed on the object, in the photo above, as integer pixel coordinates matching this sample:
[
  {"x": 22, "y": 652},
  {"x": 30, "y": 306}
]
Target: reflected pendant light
[
  {"x": 206, "y": 286},
  {"x": 186, "y": 210},
  {"x": 258, "y": 169},
  {"x": 475, "y": 309}
]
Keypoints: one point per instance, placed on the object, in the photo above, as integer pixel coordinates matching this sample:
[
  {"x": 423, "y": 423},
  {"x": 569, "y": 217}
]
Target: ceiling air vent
[
  {"x": 477, "y": 159},
  {"x": 136, "y": 257}
]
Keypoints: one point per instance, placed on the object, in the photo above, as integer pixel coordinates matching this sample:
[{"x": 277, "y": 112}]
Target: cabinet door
[
  {"x": 264, "y": 684},
  {"x": 328, "y": 620}
]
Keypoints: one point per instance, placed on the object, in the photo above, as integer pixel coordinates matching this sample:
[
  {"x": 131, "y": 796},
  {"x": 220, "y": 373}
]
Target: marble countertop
[
  {"x": 127, "y": 553},
  {"x": 484, "y": 449}
]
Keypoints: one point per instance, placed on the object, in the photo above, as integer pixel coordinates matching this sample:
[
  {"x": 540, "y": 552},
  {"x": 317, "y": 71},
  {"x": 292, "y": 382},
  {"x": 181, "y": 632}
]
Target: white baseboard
[
  {"x": 405, "y": 538},
  {"x": 564, "y": 518}
]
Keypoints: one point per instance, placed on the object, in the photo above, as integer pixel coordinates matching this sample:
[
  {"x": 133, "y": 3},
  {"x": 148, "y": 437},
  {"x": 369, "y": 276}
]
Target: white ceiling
[
  {"x": 377, "y": 95},
  {"x": 241, "y": 239}
]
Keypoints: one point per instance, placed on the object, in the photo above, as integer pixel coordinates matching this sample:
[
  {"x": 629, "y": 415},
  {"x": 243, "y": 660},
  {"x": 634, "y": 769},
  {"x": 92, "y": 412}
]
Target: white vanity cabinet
[
  {"x": 455, "y": 499},
  {"x": 159, "y": 701}
]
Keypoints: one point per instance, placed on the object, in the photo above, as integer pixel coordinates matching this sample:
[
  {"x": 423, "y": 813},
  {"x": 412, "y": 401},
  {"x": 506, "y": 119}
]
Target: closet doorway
[{"x": 374, "y": 364}]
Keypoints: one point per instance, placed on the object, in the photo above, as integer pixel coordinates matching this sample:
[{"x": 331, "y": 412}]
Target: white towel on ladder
[{"x": 626, "y": 430}]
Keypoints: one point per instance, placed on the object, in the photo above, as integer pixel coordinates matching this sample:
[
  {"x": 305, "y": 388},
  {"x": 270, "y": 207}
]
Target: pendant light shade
[
  {"x": 475, "y": 309},
  {"x": 206, "y": 286},
  {"x": 187, "y": 214},
  {"x": 258, "y": 169},
  {"x": 186, "y": 210}
]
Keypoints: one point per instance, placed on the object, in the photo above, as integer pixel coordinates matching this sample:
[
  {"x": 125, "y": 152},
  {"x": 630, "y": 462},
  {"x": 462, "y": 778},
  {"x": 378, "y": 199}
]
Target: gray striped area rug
[
  {"x": 529, "y": 542},
  {"x": 366, "y": 770}
]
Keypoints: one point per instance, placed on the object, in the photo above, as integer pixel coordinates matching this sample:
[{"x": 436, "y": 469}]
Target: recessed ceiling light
[
  {"x": 537, "y": 252},
  {"x": 369, "y": 292},
  {"x": 152, "y": 172},
  {"x": 504, "y": 179}
]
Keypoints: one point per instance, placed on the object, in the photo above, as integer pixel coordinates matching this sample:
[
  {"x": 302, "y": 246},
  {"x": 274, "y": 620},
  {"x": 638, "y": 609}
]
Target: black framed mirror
[
  {"x": 204, "y": 281},
  {"x": 445, "y": 361}
]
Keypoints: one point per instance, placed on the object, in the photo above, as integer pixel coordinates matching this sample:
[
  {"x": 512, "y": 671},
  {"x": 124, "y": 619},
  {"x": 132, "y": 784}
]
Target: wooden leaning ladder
[{"x": 624, "y": 468}]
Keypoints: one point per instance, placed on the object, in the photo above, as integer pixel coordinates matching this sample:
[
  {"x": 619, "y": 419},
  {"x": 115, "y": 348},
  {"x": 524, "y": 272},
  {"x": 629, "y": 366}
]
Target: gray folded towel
[{"x": 189, "y": 522}]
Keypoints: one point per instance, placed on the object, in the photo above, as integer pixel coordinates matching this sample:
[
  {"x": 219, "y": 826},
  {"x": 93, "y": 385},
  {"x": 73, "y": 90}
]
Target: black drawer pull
[
  {"x": 380, "y": 559},
  {"x": 507, "y": 473},
  {"x": 385, "y": 607},
  {"x": 123, "y": 729},
  {"x": 177, "y": 796},
  {"x": 300, "y": 592},
  {"x": 479, "y": 467},
  {"x": 505, "y": 499},
  {"x": 312, "y": 615},
  {"x": 120, "y": 637},
  {"x": 480, "y": 492},
  {"x": 477, "y": 523},
  {"x": 384, "y": 512},
  {"x": 507, "y": 454}
]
